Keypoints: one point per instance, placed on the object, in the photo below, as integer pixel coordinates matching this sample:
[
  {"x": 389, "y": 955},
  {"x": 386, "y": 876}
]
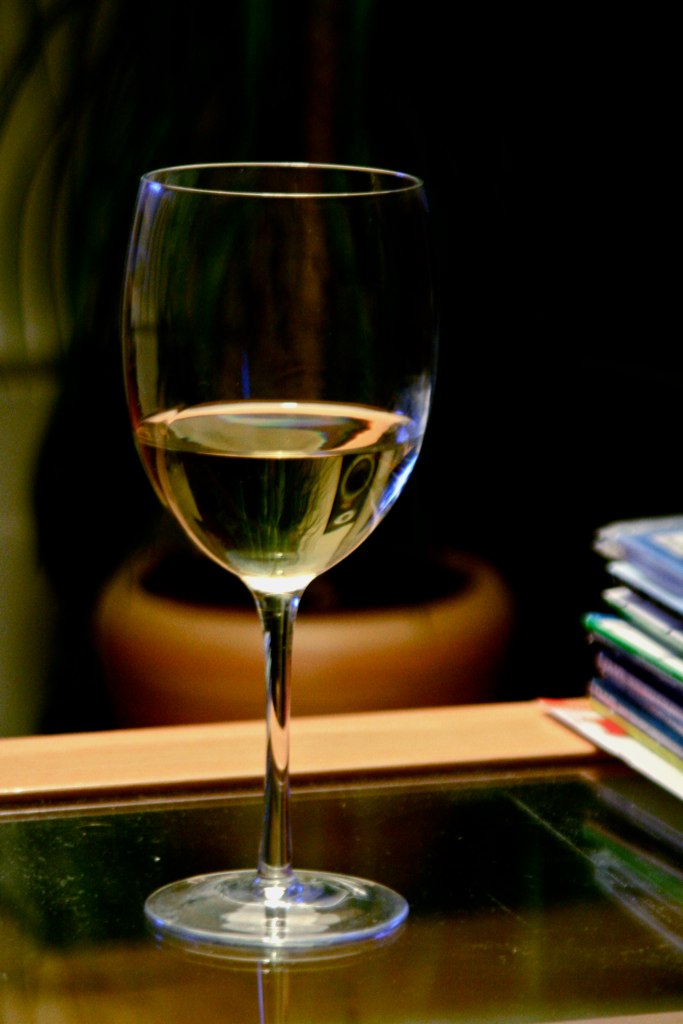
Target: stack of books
[
  {"x": 638, "y": 638},
  {"x": 634, "y": 709}
]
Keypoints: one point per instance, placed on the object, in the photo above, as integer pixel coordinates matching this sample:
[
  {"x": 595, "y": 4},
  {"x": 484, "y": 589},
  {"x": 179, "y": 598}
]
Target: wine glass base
[{"x": 306, "y": 911}]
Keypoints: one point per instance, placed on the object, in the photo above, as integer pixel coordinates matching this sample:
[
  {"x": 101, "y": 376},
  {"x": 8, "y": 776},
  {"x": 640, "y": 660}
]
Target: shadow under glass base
[{"x": 307, "y": 911}]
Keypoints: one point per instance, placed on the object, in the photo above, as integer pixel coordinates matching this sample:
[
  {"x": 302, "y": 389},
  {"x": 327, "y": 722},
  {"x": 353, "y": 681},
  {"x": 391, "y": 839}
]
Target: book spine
[
  {"x": 652, "y": 695},
  {"x": 636, "y": 721}
]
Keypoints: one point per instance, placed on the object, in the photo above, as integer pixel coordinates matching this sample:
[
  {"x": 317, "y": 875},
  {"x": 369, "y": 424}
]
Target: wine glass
[{"x": 279, "y": 347}]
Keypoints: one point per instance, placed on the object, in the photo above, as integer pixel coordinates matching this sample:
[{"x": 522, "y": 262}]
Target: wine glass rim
[{"x": 400, "y": 180}]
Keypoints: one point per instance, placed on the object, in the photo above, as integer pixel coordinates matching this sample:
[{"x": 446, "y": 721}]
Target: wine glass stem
[{"x": 277, "y": 613}]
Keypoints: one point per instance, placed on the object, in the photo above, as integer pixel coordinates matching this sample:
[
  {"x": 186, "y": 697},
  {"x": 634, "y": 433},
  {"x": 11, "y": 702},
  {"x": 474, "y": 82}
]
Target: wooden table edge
[{"x": 157, "y": 759}]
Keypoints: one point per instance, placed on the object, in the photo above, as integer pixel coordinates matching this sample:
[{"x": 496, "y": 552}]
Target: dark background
[{"x": 545, "y": 142}]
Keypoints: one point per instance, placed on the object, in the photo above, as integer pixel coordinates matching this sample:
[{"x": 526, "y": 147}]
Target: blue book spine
[{"x": 660, "y": 733}]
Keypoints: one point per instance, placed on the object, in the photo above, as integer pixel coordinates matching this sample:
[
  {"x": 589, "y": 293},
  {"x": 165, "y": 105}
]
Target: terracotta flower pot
[{"x": 171, "y": 655}]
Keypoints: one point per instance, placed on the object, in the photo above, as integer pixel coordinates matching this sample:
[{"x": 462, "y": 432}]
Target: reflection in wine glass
[{"x": 279, "y": 348}]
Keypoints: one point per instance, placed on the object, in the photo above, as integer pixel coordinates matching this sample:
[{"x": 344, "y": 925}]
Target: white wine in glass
[{"x": 279, "y": 332}]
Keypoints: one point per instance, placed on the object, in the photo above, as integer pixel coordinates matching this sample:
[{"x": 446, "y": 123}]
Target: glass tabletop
[{"x": 535, "y": 896}]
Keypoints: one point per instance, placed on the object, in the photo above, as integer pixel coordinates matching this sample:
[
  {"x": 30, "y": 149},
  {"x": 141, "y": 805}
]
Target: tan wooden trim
[{"x": 160, "y": 758}]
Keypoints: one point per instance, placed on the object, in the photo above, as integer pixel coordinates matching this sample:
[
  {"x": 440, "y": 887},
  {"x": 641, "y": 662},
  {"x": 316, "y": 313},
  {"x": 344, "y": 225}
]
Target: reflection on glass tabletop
[{"x": 535, "y": 896}]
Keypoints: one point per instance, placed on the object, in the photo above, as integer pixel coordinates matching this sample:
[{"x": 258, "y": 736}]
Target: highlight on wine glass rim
[{"x": 279, "y": 180}]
